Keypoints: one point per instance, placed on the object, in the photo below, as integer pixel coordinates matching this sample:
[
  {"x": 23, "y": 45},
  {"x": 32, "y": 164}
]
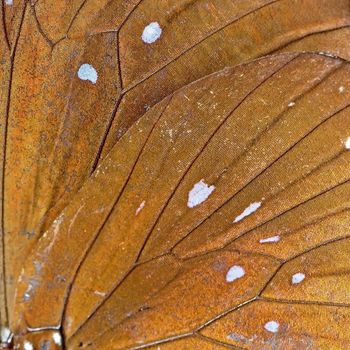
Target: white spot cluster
[
  {"x": 272, "y": 326},
  {"x": 151, "y": 33},
  {"x": 247, "y": 211},
  {"x": 347, "y": 143},
  {"x": 234, "y": 273},
  {"x": 272, "y": 239},
  {"x": 298, "y": 277},
  {"x": 87, "y": 72},
  {"x": 199, "y": 193}
]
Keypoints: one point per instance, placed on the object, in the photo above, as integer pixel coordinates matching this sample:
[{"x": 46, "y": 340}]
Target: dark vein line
[
  {"x": 303, "y": 302},
  {"x": 140, "y": 81},
  {"x": 3, "y": 15},
  {"x": 105, "y": 135},
  {"x": 127, "y": 274},
  {"x": 111, "y": 211},
  {"x": 324, "y": 31},
  {"x": 3, "y": 165},
  {"x": 115, "y": 110},
  {"x": 82, "y": 4},
  {"x": 323, "y": 244},
  {"x": 130, "y": 87},
  {"x": 217, "y": 342},
  {"x": 258, "y": 175},
  {"x": 317, "y": 221},
  {"x": 159, "y": 342},
  {"x": 40, "y": 29},
  {"x": 250, "y": 93},
  {"x": 268, "y": 221}
]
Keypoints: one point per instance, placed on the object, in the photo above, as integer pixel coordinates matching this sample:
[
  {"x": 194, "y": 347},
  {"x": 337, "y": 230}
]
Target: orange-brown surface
[{"x": 105, "y": 243}]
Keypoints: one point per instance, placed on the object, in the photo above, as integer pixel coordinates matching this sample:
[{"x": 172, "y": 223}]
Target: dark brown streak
[
  {"x": 3, "y": 15},
  {"x": 262, "y": 172},
  {"x": 302, "y": 302},
  {"x": 4, "y": 147},
  {"x": 114, "y": 113},
  {"x": 201, "y": 151},
  {"x": 323, "y": 244},
  {"x": 308, "y": 35},
  {"x": 74, "y": 17},
  {"x": 107, "y": 218},
  {"x": 41, "y": 31},
  {"x": 315, "y": 222},
  {"x": 130, "y": 87},
  {"x": 217, "y": 342}
]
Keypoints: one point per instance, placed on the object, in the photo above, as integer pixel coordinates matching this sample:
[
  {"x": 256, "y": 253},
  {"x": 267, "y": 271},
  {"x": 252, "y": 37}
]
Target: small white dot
[
  {"x": 151, "y": 33},
  {"x": 27, "y": 345},
  {"x": 57, "y": 338},
  {"x": 291, "y": 104},
  {"x": 272, "y": 239},
  {"x": 341, "y": 89},
  {"x": 347, "y": 143},
  {"x": 272, "y": 326},
  {"x": 87, "y": 72},
  {"x": 235, "y": 272},
  {"x": 298, "y": 277}
]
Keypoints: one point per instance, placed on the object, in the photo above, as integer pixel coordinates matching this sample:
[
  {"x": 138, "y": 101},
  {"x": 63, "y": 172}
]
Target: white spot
[
  {"x": 27, "y": 345},
  {"x": 57, "y": 338},
  {"x": 9, "y": 2},
  {"x": 199, "y": 193},
  {"x": 298, "y": 277},
  {"x": 247, "y": 211},
  {"x": 87, "y": 72},
  {"x": 100, "y": 294},
  {"x": 234, "y": 273},
  {"x": 142, "y": 205},
  {"x": 347, "y": 143},
  {"x": 291, "y": 104},
  {"x": 272, "y": 239},
  {"x": 272, "y": 326},
  {"x": 5, "y": 335},
  {"x": 151, "y": 33},
  {"x": 341, "y": 89}
]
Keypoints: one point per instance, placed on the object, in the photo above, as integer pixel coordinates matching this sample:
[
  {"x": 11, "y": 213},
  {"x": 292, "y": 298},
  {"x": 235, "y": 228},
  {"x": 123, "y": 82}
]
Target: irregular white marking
[
  {"x": 272, "y": 326},
  {"x": 9, "y": 2},
  {"x": 151, "y": 33},
  {"x": 57, "y": 338},
  {"x": 347, "y": 143},
  {"x": 5, "y": 334},
  {"x": 27, "y": 345},
  {"x": 142, "y": 205},
  {"x": 234, "y": 273},
  {"x": 272, "y": 239},
  {"x": 341, "y": 89},
  {"x": 247, "y": 211},
  {"x": 298, "y": 277},
  {"x": 199, "y": 193},
  {"x": 87, "y": 72},
  {"x": 291, "y": 104}
]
